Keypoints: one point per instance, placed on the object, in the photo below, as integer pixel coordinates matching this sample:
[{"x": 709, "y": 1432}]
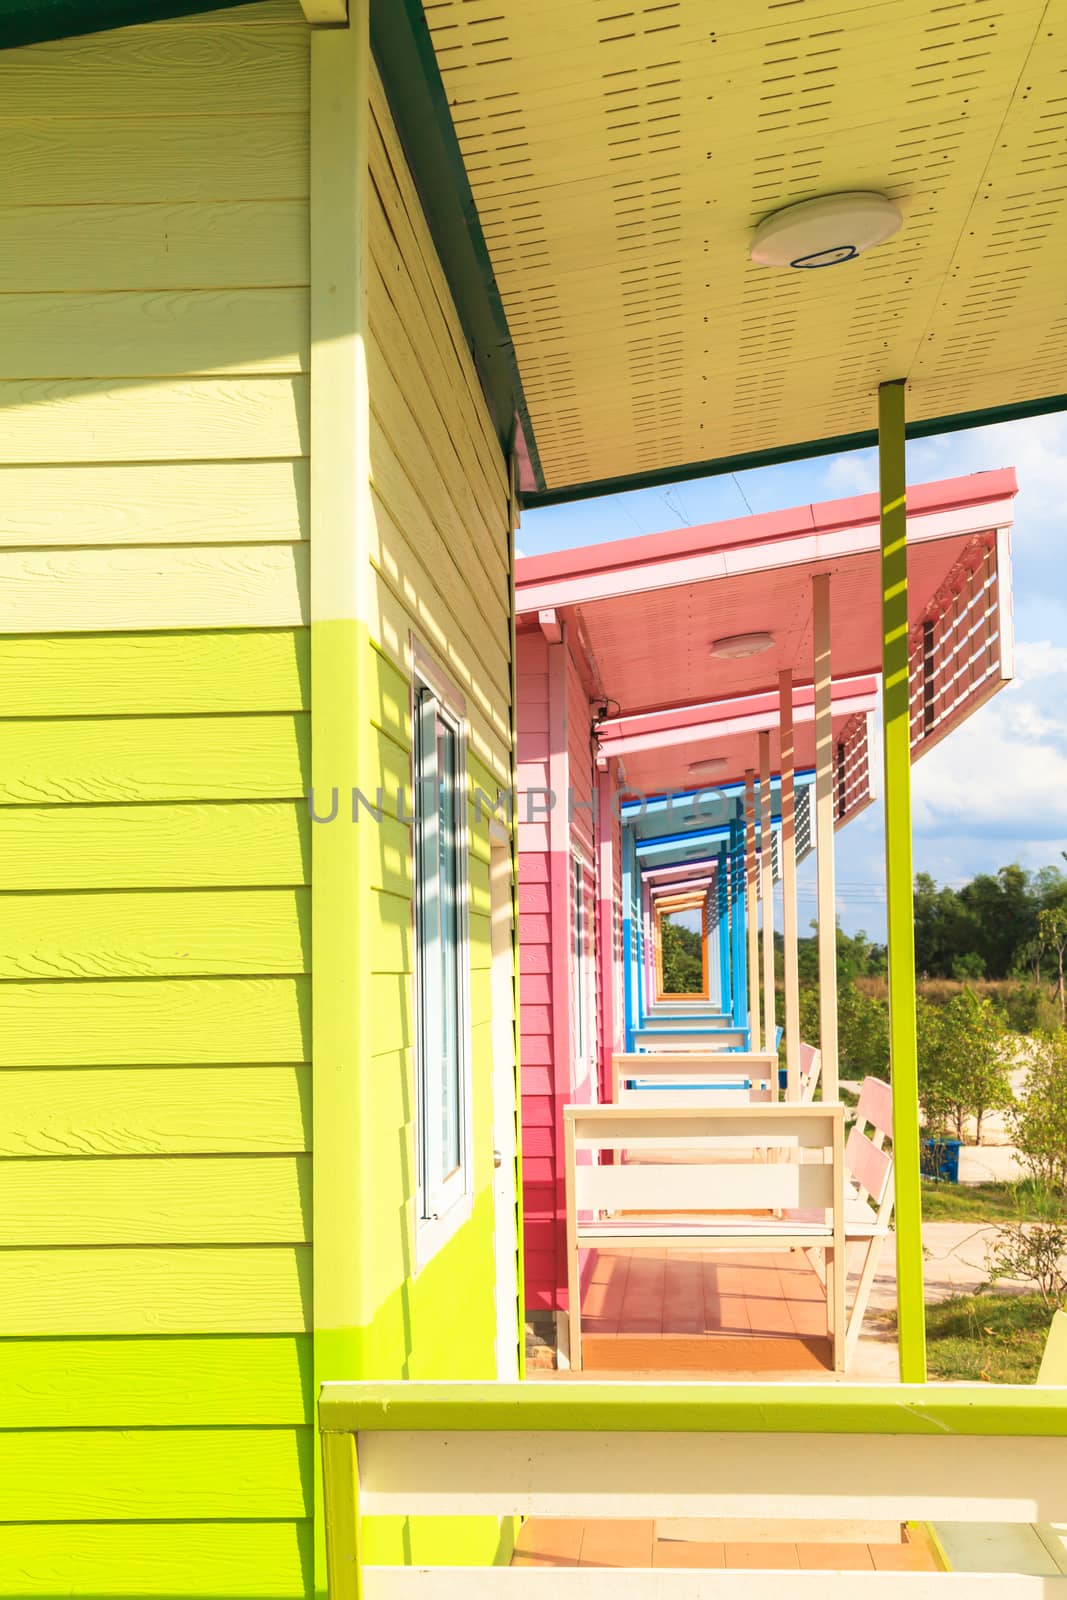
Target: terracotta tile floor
[
  {"x": 705, "y": 1311},
  {"x": 571, "y": 1542}
]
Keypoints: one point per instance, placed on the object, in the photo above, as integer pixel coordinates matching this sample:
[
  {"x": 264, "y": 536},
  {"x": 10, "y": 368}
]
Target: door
[{"x": 505, "y": 1109}]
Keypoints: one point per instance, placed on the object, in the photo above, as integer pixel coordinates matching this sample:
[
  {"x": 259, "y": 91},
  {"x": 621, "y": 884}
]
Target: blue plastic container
[{"x": 940, "y": 1159}]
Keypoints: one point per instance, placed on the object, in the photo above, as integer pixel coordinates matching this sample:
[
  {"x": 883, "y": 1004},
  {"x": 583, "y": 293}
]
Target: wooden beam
[
  {"x": 325, "y": 13},
  {"x": 789, "y": 885},
  {"x": 751, "y": 911},
  {"x": 824, "y": 833},
  {"x": 900, "y": 920},
  {"x": 767, "y": 894}
]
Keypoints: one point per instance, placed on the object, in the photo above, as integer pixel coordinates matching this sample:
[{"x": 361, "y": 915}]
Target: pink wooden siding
[
  {"x": 535, "y": 980},
  {"x": 554, "y": 753}
]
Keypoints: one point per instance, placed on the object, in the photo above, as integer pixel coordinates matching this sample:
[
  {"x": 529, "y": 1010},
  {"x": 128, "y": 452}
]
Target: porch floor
[
  {"x": 693, "y": 1310},
  {"x": 572, "y": 1542}
]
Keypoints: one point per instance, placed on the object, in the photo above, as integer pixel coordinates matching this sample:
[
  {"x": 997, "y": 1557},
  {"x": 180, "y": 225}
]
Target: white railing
[{"x": 928, "y": 1453}]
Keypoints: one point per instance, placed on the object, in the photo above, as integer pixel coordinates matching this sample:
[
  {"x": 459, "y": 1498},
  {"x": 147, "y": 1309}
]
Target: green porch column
[{"x": 903, "y": 1052}]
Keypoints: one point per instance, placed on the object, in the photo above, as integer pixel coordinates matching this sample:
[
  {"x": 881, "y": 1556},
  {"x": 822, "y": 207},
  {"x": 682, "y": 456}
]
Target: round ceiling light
[
  {"x": 826, "y": 231},
  {"x": 739, "y": 645},
  {"x": 709, "y": 765}
]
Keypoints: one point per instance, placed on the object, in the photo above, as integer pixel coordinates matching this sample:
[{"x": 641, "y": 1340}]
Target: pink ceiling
[
  {"x": 648, "y": 637},
  {"x": 651, "y": 772}
]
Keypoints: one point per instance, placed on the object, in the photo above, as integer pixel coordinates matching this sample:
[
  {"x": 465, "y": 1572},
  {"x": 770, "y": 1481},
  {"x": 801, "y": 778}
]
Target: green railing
[{"x": 927, "y": 1453}]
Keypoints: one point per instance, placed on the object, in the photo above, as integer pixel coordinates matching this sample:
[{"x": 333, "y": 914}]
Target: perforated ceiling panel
[{"x": 621, "y": 154}]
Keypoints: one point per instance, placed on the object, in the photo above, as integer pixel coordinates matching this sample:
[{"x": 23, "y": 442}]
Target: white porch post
[
  {"x": 767, "y": 892},
  {"x": 824, "y": 833},
  {"x": 752, "y": 912},
  {"x": 789, "y": 885}
]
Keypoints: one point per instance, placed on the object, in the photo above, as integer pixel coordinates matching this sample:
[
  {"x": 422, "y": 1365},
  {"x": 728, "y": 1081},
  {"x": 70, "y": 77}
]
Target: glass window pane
[
  {"x": 439, "y": 902},
  {"x": 448, "y": 877}
]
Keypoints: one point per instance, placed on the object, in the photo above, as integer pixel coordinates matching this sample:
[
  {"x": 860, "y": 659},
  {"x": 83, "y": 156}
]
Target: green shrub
[
  {"x": 962, "y": 1063},
  {"x": 863, "y": 1034},
  {"x": 1039, "y": 1118}
]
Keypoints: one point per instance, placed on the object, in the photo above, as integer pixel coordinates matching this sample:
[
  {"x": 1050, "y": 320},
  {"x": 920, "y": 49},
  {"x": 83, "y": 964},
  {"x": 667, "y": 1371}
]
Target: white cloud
[
  {"x": 1006, "y": 767},
  {"x": 856, "y": 473}
]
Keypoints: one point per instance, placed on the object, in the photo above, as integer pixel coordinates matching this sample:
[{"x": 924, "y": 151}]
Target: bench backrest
[
  {"x": 690, "y": 1038},
  {"x": 867, "y": 1162},
  {"x": 929, "y": 1453},
  {"x": 686, "y": 1159},
  {"x": 666, "y": 1075},
  {"x": 810, "y": 1069}
]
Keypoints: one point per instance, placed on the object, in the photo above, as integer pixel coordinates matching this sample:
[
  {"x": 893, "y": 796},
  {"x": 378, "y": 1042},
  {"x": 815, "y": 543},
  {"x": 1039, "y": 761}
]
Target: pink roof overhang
[
  {"x": 646, "y": 611},
  {"x": 670, "y": 742}
]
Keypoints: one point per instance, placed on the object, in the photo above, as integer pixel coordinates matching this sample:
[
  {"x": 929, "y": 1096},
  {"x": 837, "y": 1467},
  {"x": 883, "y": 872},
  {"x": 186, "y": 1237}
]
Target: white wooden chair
[
  {"x": 868, "y": 1193},
  {"x": 706, "y": 1040},
  {"x": 682, "y": 1165},
  {"x": 810, "y": 1071},
  {"x": 690, "y": 1078}
]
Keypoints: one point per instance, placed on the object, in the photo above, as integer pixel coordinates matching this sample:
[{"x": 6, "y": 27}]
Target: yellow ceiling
[{"x": 620, "y": 155}]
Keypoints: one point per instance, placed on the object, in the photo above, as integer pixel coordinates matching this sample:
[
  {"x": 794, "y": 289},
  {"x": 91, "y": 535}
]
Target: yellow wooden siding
[
  {"x": 152, "y": 1111},
  {"x": 158, "y": 846},
  {"x": 440, "y": 479},
  {"x": 123, "y": 675},
  {"x": 184, "y": 1200},
  {"x": 155, "y": 1560},
  {"x": 86, "y": 760},
  {"x": 88, "y": 1383},
  {"x": 173, "y": 587},
  {"x": 439, "y": 556},
  {"x": 155, "y": 1180},
  {"x": 156, "y": 1290},
  {"x": 186, "y": 933},
  {"x": 184, "y": 502}
]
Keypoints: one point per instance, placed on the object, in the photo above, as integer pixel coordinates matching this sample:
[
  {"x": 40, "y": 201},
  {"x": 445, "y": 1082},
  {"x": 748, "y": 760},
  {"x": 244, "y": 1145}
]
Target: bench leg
[{"x": 863, "y": 1294}]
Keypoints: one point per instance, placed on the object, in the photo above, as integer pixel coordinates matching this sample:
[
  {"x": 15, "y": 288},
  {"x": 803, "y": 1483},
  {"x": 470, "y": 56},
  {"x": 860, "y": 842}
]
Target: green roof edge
[
  {"x": 927, "y": 428},
  {"x": 408, "y": 64}
]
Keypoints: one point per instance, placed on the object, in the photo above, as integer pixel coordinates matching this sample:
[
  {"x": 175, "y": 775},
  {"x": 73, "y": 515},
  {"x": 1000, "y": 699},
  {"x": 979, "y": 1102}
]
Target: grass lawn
[
  {"x": 988, "y": 1202},
  {"x": 991, "y": 1338}
]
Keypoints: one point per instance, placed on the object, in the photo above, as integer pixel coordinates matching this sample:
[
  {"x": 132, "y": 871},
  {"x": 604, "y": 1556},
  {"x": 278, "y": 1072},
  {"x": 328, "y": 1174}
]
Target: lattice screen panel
[
  {"x": 853, "y": 792},
  {"x": 620, "y": 155},
  {"x": 805, "y": 839},
  {"x": 961, "y": 651}
]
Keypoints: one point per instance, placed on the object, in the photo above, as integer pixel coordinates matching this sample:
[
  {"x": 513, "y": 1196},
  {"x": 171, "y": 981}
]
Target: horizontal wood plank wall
[
  {"x": 535, "y": 981},
  {"x": 439, "y": 557},
  {"x": 155, "y": 1163}
]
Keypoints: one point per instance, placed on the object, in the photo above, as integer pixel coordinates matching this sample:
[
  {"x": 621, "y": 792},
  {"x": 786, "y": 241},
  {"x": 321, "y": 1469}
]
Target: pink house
[
  {"x": 569, "y": 887},
  {"x": 647, "y": 665}
]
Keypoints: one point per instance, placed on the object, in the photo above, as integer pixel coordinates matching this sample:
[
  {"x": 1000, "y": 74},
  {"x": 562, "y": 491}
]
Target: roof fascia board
[
  {"x": 406, "y": 59},
  {"x": 701, "y": 711},
  {"x": 711, "y": 862},
  {"x": 829, "y": 545},
  {"x": 726, "y": 791},
  {"x": 774, "y": 456},
  {"x": 666, "y": 841},
  {"x": 755, "y": 722}
]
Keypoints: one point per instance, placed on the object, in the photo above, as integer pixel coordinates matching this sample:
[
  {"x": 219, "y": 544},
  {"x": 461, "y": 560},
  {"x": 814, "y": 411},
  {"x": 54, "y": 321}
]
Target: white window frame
[
  {"x": 442, "y": 1202},
  {"x": 583, "y": 988}
]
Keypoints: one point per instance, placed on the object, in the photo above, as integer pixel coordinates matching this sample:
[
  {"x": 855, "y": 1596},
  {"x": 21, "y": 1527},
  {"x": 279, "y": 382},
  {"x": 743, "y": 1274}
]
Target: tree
[
  {"x": 962, "y": 1070},
  {"x": 1052, "y": 935},
  {"x": 1038, "y": 1118},
  {"x": 683, "y": 961}
]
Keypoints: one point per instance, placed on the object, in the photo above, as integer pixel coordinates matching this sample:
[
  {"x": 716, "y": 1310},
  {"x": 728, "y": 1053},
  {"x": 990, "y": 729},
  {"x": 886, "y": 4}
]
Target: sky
[{"x": 995, "y": 791}]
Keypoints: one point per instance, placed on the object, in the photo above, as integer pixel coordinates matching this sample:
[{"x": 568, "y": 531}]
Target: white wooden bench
[
  {"x": 692, "y": 1038},
  {"x": 868, "y": 1194},
  {"x": 681, "y": 1161},
  {"x": 893, "y": 1453},
  {"x": 690, "y": 1078}
]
